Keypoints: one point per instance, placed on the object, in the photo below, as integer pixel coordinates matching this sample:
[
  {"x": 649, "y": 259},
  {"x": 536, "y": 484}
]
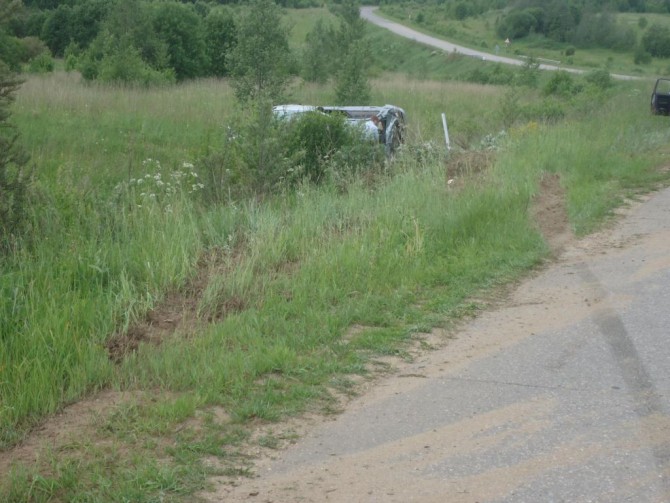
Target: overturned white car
[{"x": 385, "y": 124}]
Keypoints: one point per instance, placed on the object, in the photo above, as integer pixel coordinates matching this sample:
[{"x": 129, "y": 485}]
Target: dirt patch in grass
[
  {"x": 466, "y": 164},
  {"x": 178, "y": 311},
  {"x": 71, "y": 426}
]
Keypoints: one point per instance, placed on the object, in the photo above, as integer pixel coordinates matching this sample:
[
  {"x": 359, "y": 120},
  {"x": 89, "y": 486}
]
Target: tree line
[{"x": 141, "y": 41}]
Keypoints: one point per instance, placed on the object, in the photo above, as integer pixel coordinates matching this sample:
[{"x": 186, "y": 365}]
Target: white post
[{"x": 446, "y": 131}]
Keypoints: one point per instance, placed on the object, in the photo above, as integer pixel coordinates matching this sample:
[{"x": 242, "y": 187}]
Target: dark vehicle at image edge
[{"x": 660, "y": 97}]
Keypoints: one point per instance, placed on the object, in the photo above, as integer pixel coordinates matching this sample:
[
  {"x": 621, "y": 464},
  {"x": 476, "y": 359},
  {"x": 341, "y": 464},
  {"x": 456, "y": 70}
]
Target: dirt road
[{"x": 560, "y": 394}]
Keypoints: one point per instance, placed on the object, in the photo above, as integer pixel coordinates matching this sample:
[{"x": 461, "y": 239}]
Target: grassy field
[{"x": 237, "y": 315}]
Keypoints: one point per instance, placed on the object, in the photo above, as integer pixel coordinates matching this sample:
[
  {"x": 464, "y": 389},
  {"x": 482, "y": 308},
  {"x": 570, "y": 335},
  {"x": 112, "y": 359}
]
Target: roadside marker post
[{"x": 446, "y": 131}]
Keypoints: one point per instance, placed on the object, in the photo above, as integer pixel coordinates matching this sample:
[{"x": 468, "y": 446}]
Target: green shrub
[
  {"x": 129, "y": 67},
  {"x": 43, "y": 63},
  {"x": 641, "y": 56},
  {"x": 656, "y": 41},
  {"x": 600, "y": 79},
  {"x": 320, "y": 143},
  {"x": 561, "y": 83},
  {"x": 33, "y": 47}
]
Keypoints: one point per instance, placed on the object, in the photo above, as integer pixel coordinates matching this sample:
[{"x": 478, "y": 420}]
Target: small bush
[
  {"x": 600, "y": 79},
  {"x": 529, "y": 73},
  {"x": 656, "y": 41},
  {"x": 570, "y": 51},
  {"x": 562, "y": 84},
  {"x": 641, "y": 56},
  {"x": 72, "y": 56},
  {"x": 33, "y": 47},
  {"x": 321, "y": 144},
  {"x": 43, "y": 63}
]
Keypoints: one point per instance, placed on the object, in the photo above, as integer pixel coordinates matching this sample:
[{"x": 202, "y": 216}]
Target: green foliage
[
  {"x": 261, "y": 58},
  {"x": 182, "y": 32},
  {"x": 315, "y": 137},
  {"x": 351, "y": 81},
  {"x": 43, "y": 63},
  {"x": 33, "y": 47},
  {"x": 509, "y": 108},
  {"x": 221, "y": 37},
  {"x": 497, "y": 74},
  {"x": 14, "y": 177},
  {"x": 641, "y": 56},
  {"x": 10, "y": 51},
  {"x": 320, "y": 53},
  {"x": 602, "y": 30},
  {"x": 352, "y": 86},
  {"x": 57, "y": 30},
  {"x": 600, "y": 79},
  {"x": 260, "y": 148},
  {"x": 323, "y": 145},
  {"x": 159, "y": 42},
  {"x": 79, "y": 23},
  {"x": 117, "y": 60},
  {"x": 517, "y": 24},
  {"x": 462, "y": 10},
  {"x": 529, "y": 74},
  {"x": 130, "y": 24},
  {"x": 656, "y": 41},
  {"x": 561, "y": 83}
]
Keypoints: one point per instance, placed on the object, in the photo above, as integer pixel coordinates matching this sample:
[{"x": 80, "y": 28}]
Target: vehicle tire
[{"x": 395, "y": 140}]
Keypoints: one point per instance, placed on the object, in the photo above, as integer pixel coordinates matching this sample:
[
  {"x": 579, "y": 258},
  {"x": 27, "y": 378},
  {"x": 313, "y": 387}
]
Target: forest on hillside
[{"x": 149, "y": 41}]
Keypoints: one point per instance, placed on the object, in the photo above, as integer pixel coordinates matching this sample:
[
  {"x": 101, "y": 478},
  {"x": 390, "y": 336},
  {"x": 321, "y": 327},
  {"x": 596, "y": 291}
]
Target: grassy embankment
[{"x": 287, "y": 278}]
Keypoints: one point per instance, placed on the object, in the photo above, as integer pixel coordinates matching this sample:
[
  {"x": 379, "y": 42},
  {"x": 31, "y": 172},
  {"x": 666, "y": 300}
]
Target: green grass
[{"x": 305, "y": 289}]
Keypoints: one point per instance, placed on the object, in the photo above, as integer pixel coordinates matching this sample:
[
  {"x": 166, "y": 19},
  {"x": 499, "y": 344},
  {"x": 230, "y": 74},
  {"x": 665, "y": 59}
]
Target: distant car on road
[
  {"x": 384, "y": 124},
  {"x": 660, "y": 97}
]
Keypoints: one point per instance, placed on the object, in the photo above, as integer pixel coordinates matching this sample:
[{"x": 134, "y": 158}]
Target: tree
[
  {"x": 320, "y": 52},
  {"x": 351, "y": 82},
  {"x": 260, "y": 60},
  {"x": 14, "y": 179},
  {"x": 656, "y": 41},
  {"x": 352, "y": 86},
  {"x": 221, "y": 37},
  {"x": 57, "y": 30},
  {"x": 183, "y": 34},
  {"x": 517, "y": 24}
]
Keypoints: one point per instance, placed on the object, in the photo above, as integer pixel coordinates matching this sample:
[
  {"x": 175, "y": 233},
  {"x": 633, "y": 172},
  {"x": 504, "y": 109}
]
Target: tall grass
[
  {"x": 93, "y": 136},
  {"x": 293, "y": 274}
]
